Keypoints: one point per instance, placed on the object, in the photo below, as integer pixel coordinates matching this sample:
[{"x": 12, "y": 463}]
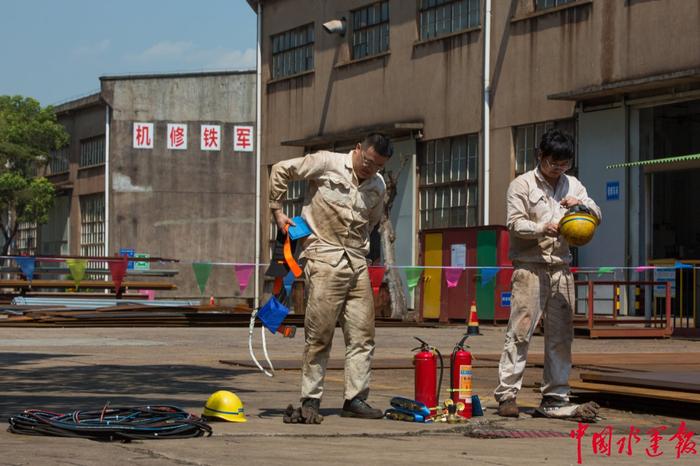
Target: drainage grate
[{"x": 497, "y": 434}]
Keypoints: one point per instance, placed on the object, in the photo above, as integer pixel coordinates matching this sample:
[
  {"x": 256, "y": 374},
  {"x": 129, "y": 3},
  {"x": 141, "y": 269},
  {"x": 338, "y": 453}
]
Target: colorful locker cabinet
[{"x": 485, "y": 246}]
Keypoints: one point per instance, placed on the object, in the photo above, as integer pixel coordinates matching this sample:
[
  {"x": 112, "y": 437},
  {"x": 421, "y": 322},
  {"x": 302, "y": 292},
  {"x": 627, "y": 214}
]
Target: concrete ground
[{"x": 67, "y": 369}]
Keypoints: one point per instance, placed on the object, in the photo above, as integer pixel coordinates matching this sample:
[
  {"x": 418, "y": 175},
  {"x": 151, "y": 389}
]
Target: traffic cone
[{"x": 473, "y": 328}]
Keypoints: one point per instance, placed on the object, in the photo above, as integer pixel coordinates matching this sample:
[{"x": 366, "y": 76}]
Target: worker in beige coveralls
[
  {"x": 344, "y": 202},
  {"x": 542, "y": 284}
]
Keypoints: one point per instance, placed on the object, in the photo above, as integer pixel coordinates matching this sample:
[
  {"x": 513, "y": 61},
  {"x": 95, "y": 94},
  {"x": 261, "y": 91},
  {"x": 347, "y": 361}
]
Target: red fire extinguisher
[
  {"x": 425, "y": 362},
  {"x": 461, "y": 377}
]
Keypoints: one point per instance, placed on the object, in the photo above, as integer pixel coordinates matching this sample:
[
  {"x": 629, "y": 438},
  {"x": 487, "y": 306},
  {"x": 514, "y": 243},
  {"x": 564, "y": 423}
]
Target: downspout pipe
[
  {"x": 258, "y": 147},
  {"x": 487, "y": 110},
  {"x": 107, "y": 170}
]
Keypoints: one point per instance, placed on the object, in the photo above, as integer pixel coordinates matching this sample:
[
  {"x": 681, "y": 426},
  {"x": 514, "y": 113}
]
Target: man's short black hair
[
  {"x": 558, "y": 144},
  {"x": 380, "y": 143}
]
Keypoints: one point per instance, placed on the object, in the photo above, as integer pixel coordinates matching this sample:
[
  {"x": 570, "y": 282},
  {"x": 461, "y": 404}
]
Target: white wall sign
[
  {"x": 143, "y": 135},
  {"x": 177, "y": 136},
  {"x": 243, "y": 138},
  {"x": 210, "y": 137}
]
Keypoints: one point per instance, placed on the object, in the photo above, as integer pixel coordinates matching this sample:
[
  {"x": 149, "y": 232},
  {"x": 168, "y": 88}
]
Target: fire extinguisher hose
[{"x": 442, "y": 368}]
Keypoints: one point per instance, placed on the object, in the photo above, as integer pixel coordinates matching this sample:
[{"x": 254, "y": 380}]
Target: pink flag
[
  {"x": 376, "y": 275},
  {"x": 243, "y": 273},
  {"x": 452, "y": 275},
  {"x": 643, "y": 268}
]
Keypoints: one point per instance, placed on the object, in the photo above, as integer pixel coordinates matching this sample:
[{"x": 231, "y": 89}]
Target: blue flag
[{"x": 26, "y": 265}]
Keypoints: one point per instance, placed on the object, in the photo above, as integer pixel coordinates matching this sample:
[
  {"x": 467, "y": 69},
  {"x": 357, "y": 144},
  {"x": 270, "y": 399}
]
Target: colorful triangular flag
[
  {"x": 376, "y": 276},
  {"x": 117, "y": 268},
  {"x": 26, "y": 265},
  {"x": 488, "y": 274},
  {"x": 413, "y": 276},
  {"x": 77, "y": 270},
  {"x": 243, "y": 273},
  {"x": 202, "y": 270},
  {"x": 452, "y": 275}
]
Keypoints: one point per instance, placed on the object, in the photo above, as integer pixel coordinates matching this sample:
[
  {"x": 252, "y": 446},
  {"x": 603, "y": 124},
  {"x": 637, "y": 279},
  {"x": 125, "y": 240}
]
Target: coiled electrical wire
[{"x": 111, "y": 423}]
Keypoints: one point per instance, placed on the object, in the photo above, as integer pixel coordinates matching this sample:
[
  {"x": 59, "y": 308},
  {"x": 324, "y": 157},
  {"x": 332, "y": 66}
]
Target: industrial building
[
  {"x": 465, "y": 93},
  {"x": 157, "y": 166}
]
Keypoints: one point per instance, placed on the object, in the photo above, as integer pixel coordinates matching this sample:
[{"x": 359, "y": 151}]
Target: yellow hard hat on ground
[
  {"x": 224, "y": 405},
  {"x": 578, "y": 225}
]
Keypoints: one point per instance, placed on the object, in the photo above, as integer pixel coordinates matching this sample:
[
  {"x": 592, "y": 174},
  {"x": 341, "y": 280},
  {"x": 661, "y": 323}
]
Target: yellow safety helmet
[
  {"x": 578, "y": 225},
  {"x": 224, "y": 405}
]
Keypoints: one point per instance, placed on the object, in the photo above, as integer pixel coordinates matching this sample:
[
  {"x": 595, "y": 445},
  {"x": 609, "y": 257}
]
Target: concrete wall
[{"x": 190, "y": 205}]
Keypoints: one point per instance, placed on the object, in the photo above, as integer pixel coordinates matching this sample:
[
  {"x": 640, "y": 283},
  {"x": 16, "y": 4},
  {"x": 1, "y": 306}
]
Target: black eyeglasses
[{"x": 372, "y": 165}]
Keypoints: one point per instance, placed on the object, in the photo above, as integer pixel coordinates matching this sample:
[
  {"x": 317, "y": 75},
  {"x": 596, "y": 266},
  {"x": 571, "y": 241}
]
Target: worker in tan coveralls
[
  {"x": 542, "y": 284},
  {"x": 344, "y": 202}
]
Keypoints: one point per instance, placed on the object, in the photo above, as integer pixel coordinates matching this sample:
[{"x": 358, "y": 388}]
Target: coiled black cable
[{"x": 110, "y": 424}]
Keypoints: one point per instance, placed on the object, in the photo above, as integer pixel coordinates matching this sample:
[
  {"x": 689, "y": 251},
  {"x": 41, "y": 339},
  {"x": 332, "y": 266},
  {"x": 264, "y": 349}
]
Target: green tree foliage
[{"x": 28, "y": 133}]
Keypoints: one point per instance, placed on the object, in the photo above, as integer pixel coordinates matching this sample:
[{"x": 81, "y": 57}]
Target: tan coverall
[
  {"x": 341, "y": 213},
  {"x": 542, "y": 284}
]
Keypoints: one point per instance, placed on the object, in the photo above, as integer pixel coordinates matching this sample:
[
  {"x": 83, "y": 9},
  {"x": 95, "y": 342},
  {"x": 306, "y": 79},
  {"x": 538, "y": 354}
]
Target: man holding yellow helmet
[{"x": 542, "y": 284}]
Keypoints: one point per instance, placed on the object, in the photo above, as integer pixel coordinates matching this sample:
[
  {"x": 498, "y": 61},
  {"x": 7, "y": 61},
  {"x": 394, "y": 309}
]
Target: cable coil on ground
[{"x": 110, "y": 424}]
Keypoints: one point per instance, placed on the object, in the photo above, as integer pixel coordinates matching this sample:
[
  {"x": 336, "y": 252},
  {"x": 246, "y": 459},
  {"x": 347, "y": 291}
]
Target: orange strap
[{"x": 288, "y": 256}]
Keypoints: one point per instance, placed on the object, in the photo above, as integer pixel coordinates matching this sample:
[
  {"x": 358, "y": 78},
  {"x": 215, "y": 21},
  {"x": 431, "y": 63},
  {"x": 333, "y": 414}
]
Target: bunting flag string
[{"x": 201, "y": 270}]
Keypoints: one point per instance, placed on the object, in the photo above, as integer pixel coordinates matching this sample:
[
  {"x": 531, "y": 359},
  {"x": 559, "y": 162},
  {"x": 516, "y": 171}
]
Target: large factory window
[
  {"x": 293, "y": 51},
  {"x": 370, "y": 30},
  {"x": 441, "y": 17},
  {"x": 449, "y": 182}
]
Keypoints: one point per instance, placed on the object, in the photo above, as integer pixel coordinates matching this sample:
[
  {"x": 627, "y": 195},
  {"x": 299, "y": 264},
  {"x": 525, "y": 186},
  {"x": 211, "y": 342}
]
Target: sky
[{"x": 55, "y": 51}]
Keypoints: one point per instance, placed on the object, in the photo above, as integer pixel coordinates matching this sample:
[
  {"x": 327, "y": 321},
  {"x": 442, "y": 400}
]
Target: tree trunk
[{"x": 399, "y": 304}]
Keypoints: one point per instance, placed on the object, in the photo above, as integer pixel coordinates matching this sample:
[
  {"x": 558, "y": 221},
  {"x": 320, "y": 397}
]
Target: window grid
[
  {"x": 59, "y": 160},
  {"x": 370, "y": 30},
  {"x": 448, "y": 188},
  {"x": 92, "y": 228},
  {"x": 26, "y": 241},
  {"x": 544, "y": 4},
  {"x": 441, "y": 17},
  {"x": 92, "y": 151},
  {"x": 527, "y": 140},
  {"x": 293, "y": 51}
]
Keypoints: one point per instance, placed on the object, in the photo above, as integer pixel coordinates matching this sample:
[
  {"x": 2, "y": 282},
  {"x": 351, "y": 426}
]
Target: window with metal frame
[
  {"x": 59, "y": 161},
  {"x": 527, "y": 139},
  {"x": 293, "y": 51},
  {"x": 441, "y": 17},
  {"x": 370, "y": 30},
  {"x": 544, "y": 4},
  {"x": 92, "y": 228},
  {"x": 448, "y": 187},
  {"x": 26, "y": 239},
  {"x": 92, "y": 151}
]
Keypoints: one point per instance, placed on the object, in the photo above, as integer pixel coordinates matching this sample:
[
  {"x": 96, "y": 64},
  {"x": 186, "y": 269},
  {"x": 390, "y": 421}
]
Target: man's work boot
[
  {"x": 508, "y": 408},
  {"x": 359, "y": 408},
  {"x": 309, "y": 411}
]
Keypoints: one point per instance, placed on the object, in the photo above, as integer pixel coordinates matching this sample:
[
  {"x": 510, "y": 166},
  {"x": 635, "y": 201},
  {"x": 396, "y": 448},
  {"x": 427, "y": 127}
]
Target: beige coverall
[
  {"x": 542, "y": 284},
  {"x": 341, "y": 213}
]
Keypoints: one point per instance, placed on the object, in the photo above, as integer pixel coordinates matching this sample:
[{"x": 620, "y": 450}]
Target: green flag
[
  {"x": 201, "y": 273},
  {"x": 413, "y": 276},
  {"x": 77, "y": 269},
  {"x": 602, "y": 270}
]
